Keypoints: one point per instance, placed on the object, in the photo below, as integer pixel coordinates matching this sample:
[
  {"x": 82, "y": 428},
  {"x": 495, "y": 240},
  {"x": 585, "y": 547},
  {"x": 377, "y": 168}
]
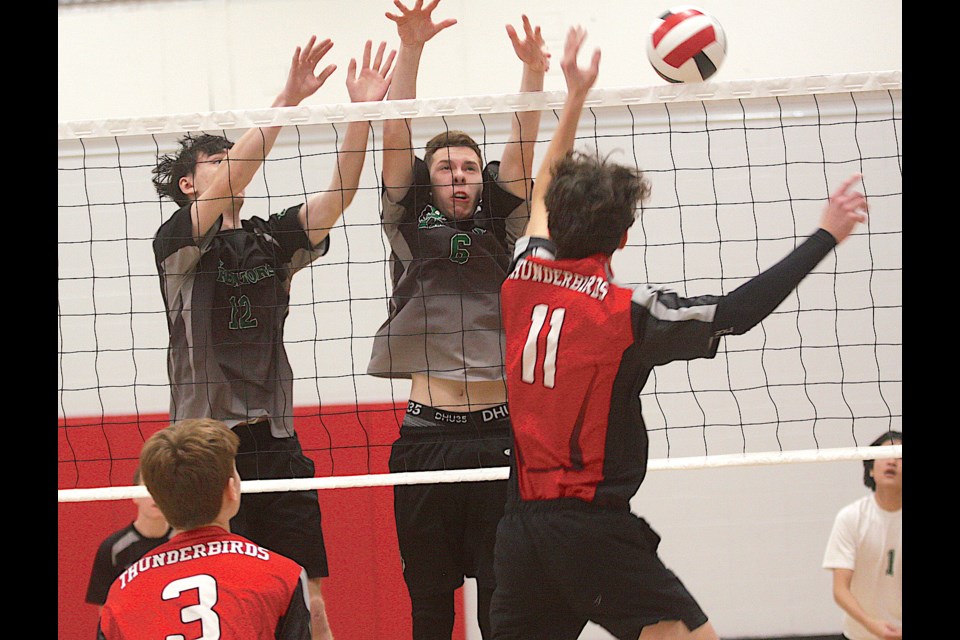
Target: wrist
[{"x": 284, "y": 101}]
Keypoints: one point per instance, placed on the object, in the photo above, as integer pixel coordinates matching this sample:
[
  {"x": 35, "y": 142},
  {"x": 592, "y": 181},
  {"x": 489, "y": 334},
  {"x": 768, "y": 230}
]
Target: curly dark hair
[
  {"x": 592, "y": 202},
  {"x": 893, "y": 437},
  {"x": 171, "y": 167}
]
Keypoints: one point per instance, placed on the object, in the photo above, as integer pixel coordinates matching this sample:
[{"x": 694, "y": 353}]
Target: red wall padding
[{"x": 365, "y": 594}]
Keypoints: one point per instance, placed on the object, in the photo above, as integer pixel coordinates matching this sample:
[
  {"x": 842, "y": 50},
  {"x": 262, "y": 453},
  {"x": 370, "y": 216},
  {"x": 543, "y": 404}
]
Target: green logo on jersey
[
  {"x": 247, "y": 276},
  {"x": 430, "y": 217}
]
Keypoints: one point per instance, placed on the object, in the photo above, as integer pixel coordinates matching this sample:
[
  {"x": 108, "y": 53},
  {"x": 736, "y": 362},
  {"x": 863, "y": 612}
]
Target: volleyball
[{"x": 686, "y": 44}]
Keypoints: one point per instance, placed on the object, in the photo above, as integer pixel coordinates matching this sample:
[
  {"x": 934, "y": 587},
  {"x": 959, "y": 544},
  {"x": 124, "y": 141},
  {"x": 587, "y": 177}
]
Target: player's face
[
  {"x": 203, "y": 174},
  {"x": 456, "y": 181},
  {"x": 888, "y": 472},
  {"x": 148, "y": 507}
]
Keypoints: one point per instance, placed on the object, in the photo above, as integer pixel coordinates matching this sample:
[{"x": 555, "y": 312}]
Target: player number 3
[{"x": 206, "y": 588}]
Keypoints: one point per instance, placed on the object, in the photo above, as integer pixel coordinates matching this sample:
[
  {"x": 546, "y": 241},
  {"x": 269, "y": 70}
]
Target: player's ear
[
  {"x": 623, "y": 239},
  {"x": 186, "y": 185},
  {"x": 233, "y": 488}
]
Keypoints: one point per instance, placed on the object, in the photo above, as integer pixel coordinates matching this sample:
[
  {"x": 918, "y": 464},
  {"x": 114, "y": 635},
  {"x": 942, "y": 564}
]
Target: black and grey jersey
[
  {"x": 227, "y": 299},
  {"x": 118, "y": 551},
  {"x": 444, "y": 314}
]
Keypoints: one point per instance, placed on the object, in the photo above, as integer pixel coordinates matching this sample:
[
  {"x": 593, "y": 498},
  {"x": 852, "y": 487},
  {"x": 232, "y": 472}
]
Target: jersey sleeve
[
  {"x": 841, "y": 551},
  {"x": 742, "y": 309},
  {"x": 510, "y": 213},
  {"x": 176, "y": 234},
  {"x": 101, "y": 576},
  {"x": 294, "y": 624},
  {"x": 176, "y": 252},
  {"x": 669, "y": 327},
  {"x": 417, "y": 194},
  {"x": 286, "y": 229},
  {"x": 535, "y": 246}
]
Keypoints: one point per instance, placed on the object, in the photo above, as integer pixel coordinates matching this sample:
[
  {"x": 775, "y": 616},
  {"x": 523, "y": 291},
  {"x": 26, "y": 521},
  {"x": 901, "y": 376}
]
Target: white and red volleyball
[{"x": 686, "y": 44}]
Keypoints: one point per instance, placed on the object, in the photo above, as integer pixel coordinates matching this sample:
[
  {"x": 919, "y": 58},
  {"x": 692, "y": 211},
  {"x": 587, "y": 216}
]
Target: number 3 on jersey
[
  {"x": 203, "y": 612},
  {"x": 530, "y": 347}
]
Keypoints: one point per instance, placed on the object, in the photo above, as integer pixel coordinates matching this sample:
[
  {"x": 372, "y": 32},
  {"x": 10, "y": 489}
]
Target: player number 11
[{"x": 530, "y": 356}]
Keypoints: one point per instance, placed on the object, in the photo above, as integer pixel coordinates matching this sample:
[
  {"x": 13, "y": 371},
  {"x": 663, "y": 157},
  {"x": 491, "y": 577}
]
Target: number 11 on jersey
[{"x": 530, "y": 355}]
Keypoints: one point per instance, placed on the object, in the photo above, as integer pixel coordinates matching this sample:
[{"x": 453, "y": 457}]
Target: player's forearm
[
  {"x": 560, "y": 145},
  {"x": 404, "y": 83},
  {"x": 562, "y": 141},
  {"x": 398, "y": 156},
  {"x": 516, "y": 163},
  {"x": 350, "y": 159},
  {"x": 851, "y": 606},
  {"x": 747, "y": 305},
  {"x": 323, "y": 210}
]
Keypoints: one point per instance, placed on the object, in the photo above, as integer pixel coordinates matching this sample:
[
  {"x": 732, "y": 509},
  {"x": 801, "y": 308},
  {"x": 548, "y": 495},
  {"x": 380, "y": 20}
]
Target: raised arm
[
  {"x": 322, "y": 210},
  {"x": 241, "y": 163},
  {"x": 579, "y": 80},
  {"x": 744, "y": 307},
  {"x": 516, "y": 163},
  {"x": 415, "y": 27}
]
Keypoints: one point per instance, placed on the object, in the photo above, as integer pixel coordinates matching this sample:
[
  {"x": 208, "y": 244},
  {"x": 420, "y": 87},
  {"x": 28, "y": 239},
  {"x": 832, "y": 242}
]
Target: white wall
[
  {"x": 747, "y": 541},
  {"x": 137, "y": 58}
]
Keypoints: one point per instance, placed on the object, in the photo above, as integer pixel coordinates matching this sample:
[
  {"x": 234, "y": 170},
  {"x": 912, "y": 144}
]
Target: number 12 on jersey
[{"x": 530, "y": 347}]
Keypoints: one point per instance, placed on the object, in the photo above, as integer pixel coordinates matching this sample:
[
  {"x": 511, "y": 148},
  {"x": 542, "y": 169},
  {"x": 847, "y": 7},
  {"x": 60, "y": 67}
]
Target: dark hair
[
  {"x": 591, "y": 203},
  {"x": 450, "y": 139},
  {"x": 171, "y": 167},
  {"x": 186, "y": 468},
  {"x": 888, "y": 436}
]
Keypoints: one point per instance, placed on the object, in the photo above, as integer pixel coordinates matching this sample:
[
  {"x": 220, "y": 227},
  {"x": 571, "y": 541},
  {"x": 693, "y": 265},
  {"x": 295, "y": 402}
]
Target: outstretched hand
[
  {"x": 373, "y": 81},
  {"x": 301, "y": 80},
  {"x": 845, "y": 210},
  {"x": 579, "y": 79},
  {"x": 415, "y": 26},
  {"x": 532, "y": 50}
]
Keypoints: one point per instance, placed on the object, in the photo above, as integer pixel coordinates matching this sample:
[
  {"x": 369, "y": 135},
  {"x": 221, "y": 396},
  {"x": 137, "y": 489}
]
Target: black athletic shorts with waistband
[
  {"x": 447, "y": 530},
  {"x": 287, "y": 522},
  {"x": 561, "y": 563}
]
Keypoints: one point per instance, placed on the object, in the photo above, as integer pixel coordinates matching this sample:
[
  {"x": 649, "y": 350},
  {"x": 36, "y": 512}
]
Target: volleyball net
[{"x": 740, "y": 172}]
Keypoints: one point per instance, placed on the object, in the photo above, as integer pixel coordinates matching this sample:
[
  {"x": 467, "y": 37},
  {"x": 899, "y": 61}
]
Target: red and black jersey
[
  {"x": 580, "y": 348},
  {"x": 208, "y": 583}
]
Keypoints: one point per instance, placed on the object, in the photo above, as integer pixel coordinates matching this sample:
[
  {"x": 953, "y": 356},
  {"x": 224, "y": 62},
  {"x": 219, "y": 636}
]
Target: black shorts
[
  {"x": 447, "y": 530},
  {"x": 562, "y": 563},
  {"x": 287, "y": 522}
]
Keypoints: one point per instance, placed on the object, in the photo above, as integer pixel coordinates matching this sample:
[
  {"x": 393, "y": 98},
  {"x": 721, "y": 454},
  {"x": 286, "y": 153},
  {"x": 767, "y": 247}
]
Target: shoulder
[
  {"x": 172, "y": 225},
  {"x": 534, "y": 247},
  {"x": 856, "y": 510},
  {"x": 492, "y": 170}
]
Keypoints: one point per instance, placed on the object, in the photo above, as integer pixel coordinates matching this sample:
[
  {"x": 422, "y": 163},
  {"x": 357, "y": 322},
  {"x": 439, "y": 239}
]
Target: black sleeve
[
  {"x": 101, "y": 576},
  {"x": 295, "y": 623},
  {"x": 742, "y": 309},
  {"x": 418, "y": 195}
]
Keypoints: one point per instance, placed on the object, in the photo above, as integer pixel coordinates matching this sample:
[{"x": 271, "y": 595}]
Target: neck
[
  {"x": 889, "y": 499},
  {"x": 231, "y": 220}
]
